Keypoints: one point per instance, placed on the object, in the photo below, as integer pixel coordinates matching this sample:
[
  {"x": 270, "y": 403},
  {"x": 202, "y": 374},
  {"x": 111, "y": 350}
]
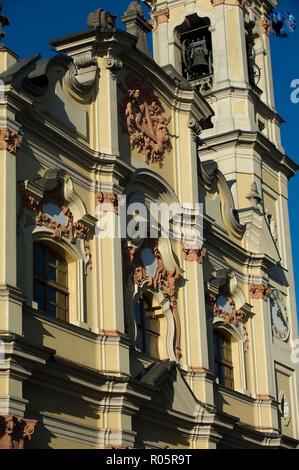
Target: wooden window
[
  {"x": 51, "y": 282},
  {"x": 223, "y": 359},
  {"x": 147, "y": 326}
]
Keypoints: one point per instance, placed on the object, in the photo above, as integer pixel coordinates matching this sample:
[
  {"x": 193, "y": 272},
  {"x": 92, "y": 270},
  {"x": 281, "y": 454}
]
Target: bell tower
[{"x": 222, "y": 48}]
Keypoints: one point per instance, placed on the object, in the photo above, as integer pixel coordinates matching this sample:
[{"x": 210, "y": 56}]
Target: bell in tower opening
[{"x": 197, "y": 57}]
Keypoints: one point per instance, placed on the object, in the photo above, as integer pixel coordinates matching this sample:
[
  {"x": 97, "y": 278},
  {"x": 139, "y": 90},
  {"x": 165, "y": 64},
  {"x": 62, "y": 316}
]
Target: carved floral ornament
[
  {"x": 142, "y": 118},
  {"x": 71, "y": 230},
  {"x": 159, "y": 17},
  {"x": 259, "y": 291},
  {"x": 14, "y": 431},
  {"x": 163, "y": 280},
  {"x": 266, "y": 26},
  {"x": 194, "y": 254},
  {"x": 10, "y": 141},
  {"x": 231, "y": 315},
  {"x": 107, "y": 202}
]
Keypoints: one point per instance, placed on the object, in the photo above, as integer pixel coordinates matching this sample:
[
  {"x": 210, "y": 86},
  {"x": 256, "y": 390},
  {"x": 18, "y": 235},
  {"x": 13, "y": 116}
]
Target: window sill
[
  {"x": 244, "y": 395},
  {"x": 80, "y": 329}
]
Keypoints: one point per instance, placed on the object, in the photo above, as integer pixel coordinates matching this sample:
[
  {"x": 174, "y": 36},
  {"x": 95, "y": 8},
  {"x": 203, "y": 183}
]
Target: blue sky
[
  {"x": 35, "y": 22},
  {"x": 285, "y": 66}
]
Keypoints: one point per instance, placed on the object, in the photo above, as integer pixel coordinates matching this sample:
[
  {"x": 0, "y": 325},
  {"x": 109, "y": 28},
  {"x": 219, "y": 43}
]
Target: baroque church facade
[{"x": 147, "y": 342}]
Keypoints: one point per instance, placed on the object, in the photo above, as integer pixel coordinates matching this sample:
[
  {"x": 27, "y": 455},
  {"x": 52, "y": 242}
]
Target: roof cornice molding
[{"x": 259, "y": 142}]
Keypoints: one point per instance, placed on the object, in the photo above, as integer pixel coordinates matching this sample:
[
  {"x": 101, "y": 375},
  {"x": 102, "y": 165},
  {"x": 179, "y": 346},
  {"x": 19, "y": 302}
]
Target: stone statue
[
  {"x": 4, "y": 21},
  {"x": 101, "y": 19}
]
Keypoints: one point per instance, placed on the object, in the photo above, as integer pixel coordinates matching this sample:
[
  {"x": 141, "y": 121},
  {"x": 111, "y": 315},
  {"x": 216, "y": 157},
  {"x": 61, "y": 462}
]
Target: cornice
[
  {"x": 245, "y": 92},
  {"x": 96, "y": 163},
  {"x": 120, "y": 45},
  {"x": 170, "y": 418},
  {"x": 92, "y": 161},
  {"x": 259, "y": 142},
  {"x": 65, "y": 428},
  {"x": 36, "y": 123},
  {"x": 235, "y": 3},
  {"x": 221, "y": 243},
  {"x": 24, "y": 358}
]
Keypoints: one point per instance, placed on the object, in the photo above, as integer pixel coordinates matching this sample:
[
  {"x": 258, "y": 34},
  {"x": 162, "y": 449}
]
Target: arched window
[
  {"x": 51, "y": 282},
  {"x": 148, "y": 328},
  {"x": 223, "y": 359}
]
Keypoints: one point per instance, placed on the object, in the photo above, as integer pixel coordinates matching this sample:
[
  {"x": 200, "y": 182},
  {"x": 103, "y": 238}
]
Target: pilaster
[
  {"x": 10, "y": 297},
  {"x": 159, "y": 22}
]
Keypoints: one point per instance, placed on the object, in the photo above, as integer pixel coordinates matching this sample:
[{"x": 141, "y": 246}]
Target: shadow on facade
[{"x": 155, "y": 421}]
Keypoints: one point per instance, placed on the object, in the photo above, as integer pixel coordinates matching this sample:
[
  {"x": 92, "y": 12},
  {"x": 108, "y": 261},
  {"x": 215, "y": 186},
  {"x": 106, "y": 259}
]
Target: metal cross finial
[{"x": 4, "y": 21}]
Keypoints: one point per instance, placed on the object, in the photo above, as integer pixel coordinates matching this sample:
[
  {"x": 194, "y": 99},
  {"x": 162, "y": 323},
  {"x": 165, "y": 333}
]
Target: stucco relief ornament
[
  {"x": 165, "y": 281},
  {"x": 266, "y": 26},
  {"x": 10, "y": 141},
  {"x": 70, "y": 229},
  {"x": 14, "y": 431},
  {"x": 228, "y": 313},
  {"x": 107, "y": 202},
  {"x": 259, "y": 291},
  {"x": 194, "y": 254},
  {"x": 141, "y": 117}
]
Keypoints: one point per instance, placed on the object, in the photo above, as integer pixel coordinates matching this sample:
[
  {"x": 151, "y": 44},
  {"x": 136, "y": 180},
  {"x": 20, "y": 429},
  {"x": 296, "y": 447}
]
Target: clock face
[
  {"x": 279, "y": 315},
  {"x": 284, "y": 408}
]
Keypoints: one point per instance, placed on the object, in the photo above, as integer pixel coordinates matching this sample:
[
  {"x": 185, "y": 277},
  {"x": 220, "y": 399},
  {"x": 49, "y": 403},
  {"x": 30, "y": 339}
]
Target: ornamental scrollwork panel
[
  {"x": 141, "y": 113},
  {"x": 163, "y": 280},
  {"x": 228, "y": 313},
  {"x": 68, "y": 228}
]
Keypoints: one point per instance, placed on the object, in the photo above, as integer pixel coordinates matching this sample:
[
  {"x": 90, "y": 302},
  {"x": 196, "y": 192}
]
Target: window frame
[
  {"x": 50, "y": 283},
  {"x": 146, "y": 332},
  {"x": 226, "y": 363}
]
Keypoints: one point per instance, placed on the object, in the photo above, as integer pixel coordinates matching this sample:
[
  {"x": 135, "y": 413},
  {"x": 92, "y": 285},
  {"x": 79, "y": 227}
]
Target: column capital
[
  {"x": 10, "y": 140},
  {"x": 194, "y": 254},
  {"x": 14, "y": 431},
  {"x": 161, "y": 16},
  {"x": 259, "y": 291}
]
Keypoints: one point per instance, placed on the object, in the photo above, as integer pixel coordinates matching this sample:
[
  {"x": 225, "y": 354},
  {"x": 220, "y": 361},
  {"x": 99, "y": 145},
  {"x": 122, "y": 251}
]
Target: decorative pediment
[
  {"x": 142, "y": 118},
  {"x": 227, "y": 300},
  {"x": 55, "y": 205},
  {"x": 39, "y": 78}
]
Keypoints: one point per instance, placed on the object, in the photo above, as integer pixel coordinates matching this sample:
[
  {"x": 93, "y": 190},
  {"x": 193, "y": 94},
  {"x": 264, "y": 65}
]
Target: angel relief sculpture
[{"x": 141, "y": 117}]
